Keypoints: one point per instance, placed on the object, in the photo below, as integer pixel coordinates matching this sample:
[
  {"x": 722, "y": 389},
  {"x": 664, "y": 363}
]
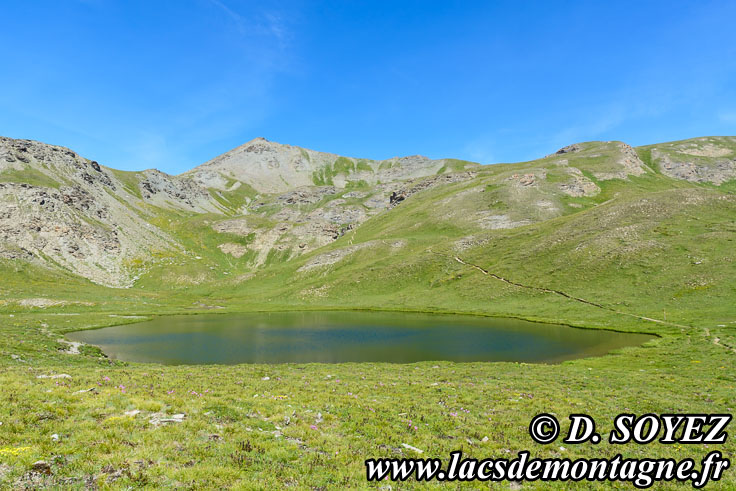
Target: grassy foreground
[{"x": 312, "y": 426}]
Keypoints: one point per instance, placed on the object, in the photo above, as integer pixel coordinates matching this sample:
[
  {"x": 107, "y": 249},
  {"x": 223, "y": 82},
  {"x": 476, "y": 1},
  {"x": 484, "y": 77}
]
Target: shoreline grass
[{"x": 231, "y": 408}]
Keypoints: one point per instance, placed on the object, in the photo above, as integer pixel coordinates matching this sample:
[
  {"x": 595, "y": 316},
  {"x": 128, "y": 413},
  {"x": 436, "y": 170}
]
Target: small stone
[
  {"x": 59, "y": 375},
  {"x": 55, "y": 437},
  {"x": 93, "y": 389},
  {"x": 266, "y": 378},
  {"x": 157, "y": 419},
  {"x": 406, "y": 445},
  {"x": 41, "y": 466}
]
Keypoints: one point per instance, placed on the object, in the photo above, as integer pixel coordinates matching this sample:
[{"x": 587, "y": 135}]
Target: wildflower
[
  {"x": 13, "y": 451},
  {"x": 314, "y": 427}
]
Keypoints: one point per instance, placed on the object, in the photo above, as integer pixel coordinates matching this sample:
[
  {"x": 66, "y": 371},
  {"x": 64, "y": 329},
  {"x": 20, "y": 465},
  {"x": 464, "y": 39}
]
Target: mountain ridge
[{"x": 264, "y": 203}]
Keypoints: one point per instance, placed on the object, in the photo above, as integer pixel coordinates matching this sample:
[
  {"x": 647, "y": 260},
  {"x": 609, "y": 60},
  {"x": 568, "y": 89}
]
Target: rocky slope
[
  {"x": 705, "y": 160},
  {"x": 65, "y": 211},
  {"x": 264, "y": 203},
  {"x": 270, "y": 167}
]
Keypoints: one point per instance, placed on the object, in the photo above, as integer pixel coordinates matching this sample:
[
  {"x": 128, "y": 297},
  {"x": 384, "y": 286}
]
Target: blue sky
[{"x": 172, "y": 83}]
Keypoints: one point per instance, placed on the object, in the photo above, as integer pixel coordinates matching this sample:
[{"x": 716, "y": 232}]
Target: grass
[
  {"x": 242, "y": 430},
  {"x": 29, "y": 176},
  {"x": 130, "y": 180},
  {"x": 646, "y": 246}
]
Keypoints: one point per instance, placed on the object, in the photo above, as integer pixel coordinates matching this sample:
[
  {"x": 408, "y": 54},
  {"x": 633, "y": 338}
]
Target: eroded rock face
[
  {"x": 166, "y": 191},
  {"x": 71, "y": 213},
  {"x": 308, "y": 218},
  {"x": 307, "y": 195},
  {"x": 71, "y": 228},
  {"x": 301, "y": 227},
  {"x": 714, "y": 170},
  {"x": 575, "y": 147},
  {"x": 57, "y": 164},
  {"x": 401, "y": 191},
  {"x": 703, "y": 148},
  {"x": 578, "y": 185},
  {"x": 629, "y": 161},
  {"x": 527, "y": 179}
]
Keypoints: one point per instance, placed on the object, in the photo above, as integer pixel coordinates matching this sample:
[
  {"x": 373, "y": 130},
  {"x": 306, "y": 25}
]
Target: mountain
[
  {"x": 65, "y": 211},
  {"x": 266, "y": 211},
  {"x": 270, "y": 167}
]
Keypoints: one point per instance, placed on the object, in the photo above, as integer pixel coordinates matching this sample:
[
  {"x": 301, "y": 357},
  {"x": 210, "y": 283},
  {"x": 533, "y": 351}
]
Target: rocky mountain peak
[{"x": 271, "y": 167}]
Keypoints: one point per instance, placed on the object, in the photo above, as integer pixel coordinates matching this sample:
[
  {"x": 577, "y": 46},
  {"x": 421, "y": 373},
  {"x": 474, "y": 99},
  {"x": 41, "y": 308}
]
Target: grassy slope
[{"x": 649, "y": 246}]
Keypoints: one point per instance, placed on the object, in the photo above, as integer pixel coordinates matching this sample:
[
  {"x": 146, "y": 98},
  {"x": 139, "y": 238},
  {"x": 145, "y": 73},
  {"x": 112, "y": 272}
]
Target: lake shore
[{"x": 312, "y": 425}]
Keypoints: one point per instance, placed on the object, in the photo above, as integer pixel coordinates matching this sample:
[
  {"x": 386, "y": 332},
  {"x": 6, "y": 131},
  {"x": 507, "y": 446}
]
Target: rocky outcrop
[
  {"x": 691, "y": 168},
  {"x": 64, "y": 211},
  {"x": 628, "y": 161},
  {"x": 402, "y": 191},
  {"x": 167, "y": 191},
  {"x": 71, "y": 228},
  {"x": 575, "y": 147},
  {"x": 307, "y": 195},
  {"x": 578, "y": 185}
]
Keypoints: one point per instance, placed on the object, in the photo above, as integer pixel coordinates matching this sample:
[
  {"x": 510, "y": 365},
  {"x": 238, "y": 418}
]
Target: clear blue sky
[{"x": 170, "y": 84}]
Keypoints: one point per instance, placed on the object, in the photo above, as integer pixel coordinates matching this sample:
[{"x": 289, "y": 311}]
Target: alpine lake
[{"x": 348, "y": 336}]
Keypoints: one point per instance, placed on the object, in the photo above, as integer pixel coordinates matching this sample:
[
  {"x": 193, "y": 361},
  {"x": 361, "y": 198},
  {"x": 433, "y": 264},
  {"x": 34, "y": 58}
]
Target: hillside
[
  {"x": 265, "y": 205},
  {"x": 595, "y": 235},
  {"x": 69, "y": 213}
]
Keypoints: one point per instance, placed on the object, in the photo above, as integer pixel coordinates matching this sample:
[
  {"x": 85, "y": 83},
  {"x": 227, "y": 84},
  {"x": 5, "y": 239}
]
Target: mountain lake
[{"x": 348, "y": 336}]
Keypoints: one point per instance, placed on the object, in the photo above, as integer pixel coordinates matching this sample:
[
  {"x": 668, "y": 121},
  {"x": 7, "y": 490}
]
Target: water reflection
[{"x": 335, "y": 337}]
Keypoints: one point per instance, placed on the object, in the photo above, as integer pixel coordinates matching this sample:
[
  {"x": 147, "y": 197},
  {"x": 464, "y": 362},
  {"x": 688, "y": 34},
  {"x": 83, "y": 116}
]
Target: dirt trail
[{"x": 559, "y": 292}]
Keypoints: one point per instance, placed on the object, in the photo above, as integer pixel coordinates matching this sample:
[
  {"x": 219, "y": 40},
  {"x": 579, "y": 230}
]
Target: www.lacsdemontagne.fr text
[{"x": 642, "y": 473}]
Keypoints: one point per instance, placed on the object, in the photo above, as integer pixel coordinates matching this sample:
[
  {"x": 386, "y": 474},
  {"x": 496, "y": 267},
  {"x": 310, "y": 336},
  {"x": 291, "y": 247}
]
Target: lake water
[{"x": 337, "y": 337}]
